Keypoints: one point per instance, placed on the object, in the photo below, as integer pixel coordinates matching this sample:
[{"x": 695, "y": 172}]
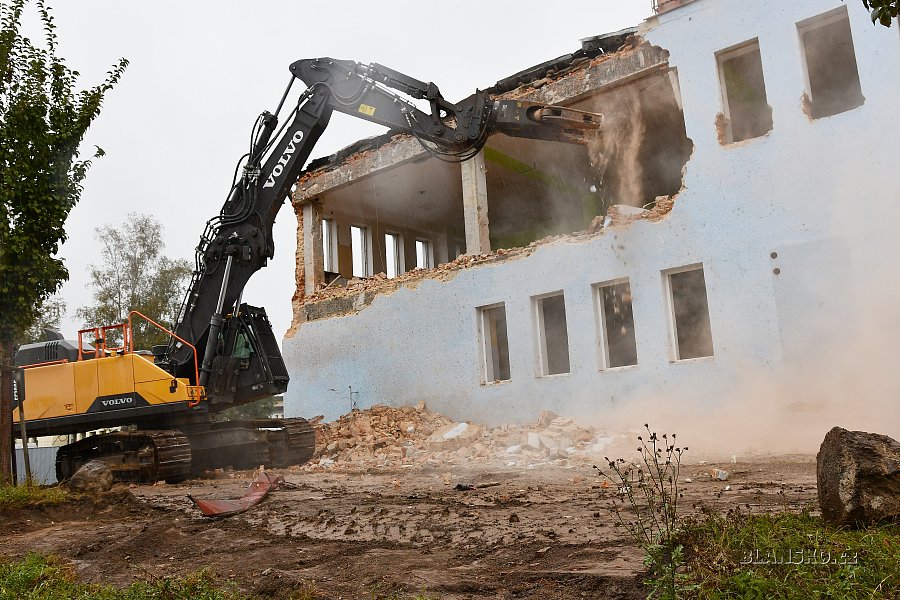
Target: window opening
[
  {"x": 690, "y": 314},
  {"x": 423, "y": 254},
  {"x": 744, "y": 92},
  {"x": 553, "y": 335},
  {"x": 619, "y": 346},
  {"x": 831, "y": 71},
  {"x": 495, "y": 344},
  {"x": 360, "y": 251},
  {"x": 392, "y": 254},
  {"x": 328, "y": 245}
]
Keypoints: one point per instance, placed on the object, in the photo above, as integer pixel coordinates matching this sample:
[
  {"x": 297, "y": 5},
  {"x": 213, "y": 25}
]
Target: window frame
[
  {"x": 329, "y": 245},
  {"x": 486, "y": 354},
  {"x": 601, "y": 327},
  {"x": 820, "y": 21},
  {"x": 399, "y": 262},
  {"x": 542, "y": 363},
  {"x": 428, "y": 253},
  {"x": 366, "y": 252},
  {"x": 723, "y": 56},
  {"x": 674, "y": 349}
]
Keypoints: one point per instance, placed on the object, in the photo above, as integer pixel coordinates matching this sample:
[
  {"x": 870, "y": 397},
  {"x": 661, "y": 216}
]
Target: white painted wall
[{"x": 796, "y": 353}]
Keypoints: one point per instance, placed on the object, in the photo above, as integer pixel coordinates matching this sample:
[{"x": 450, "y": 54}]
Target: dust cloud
[
  {"x": 638, "y": 154},
  {"x": 834, "y": 359},
  {"x": 614, "y": 152},
  {"x": 643, "y": 147},
  {"x": 838, "y": 368}
]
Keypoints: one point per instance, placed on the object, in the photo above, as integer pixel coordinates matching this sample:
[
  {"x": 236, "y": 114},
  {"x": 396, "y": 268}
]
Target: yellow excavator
[{"x": 222, "y": 353}]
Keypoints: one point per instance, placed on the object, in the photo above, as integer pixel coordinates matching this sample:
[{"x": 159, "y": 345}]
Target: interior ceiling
[
  {"x": 537, "y": 188},
  {"x": 422, "y": 195},
  {"x": 427, "y": 194}
]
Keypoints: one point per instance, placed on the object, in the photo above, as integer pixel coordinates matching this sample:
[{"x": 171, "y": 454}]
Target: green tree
[
  {"x": 49, "y": 316},
  {"x": 135, "y": 275},
  {"x": 42, "y": 123},
  {"x": 263, "y": 408},
  {"x": 883, "y": 11}
]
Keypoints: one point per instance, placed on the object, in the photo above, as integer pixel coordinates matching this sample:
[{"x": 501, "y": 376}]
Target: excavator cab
[{"x": 248, "y": 364}]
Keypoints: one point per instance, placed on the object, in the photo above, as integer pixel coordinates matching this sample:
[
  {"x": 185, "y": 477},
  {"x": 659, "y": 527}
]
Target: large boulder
[
  {"x": 93, "y": 477},
  {"x": 858, "y": 478}
]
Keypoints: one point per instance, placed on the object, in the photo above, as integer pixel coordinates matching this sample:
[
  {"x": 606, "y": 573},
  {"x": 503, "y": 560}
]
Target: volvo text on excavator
[{"x": 222, "y": 352}]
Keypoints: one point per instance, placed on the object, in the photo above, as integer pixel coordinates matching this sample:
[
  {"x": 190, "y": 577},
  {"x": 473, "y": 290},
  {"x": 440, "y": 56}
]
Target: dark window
[
  {"x": 830, "y": 64},
  {"x": 496, "y": 344},
  {"x": 690, "y": 310},
  {"x": 554, "y": 338},
  {"x": 619, "y": 345},
  {"x": 749, "y": 113}
]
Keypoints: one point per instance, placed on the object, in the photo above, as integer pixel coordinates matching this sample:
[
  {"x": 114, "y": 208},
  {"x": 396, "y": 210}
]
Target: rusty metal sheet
[{"x": 258, "y": 490}]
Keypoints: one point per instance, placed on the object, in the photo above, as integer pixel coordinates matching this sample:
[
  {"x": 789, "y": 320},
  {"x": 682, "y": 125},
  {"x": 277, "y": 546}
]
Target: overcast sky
[{"x": 202, "y": 71}]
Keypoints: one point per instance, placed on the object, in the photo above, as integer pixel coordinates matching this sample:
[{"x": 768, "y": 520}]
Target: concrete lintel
[
  {"x": 601, "y": 73},
  {"x": 475, "y": 205},
  {"x": 313, "y": 254}
]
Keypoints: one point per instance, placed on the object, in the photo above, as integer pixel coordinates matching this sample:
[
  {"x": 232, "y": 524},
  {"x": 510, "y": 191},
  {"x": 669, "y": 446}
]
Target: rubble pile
[
  {"x": 389, "y": 437},
  {"x": 380, "y": 433},
  {"x": 382, "y": 283}
]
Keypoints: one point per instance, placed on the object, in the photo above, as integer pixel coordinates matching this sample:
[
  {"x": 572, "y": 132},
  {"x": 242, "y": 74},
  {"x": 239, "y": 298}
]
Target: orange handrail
[
  {"x": 100, "y": 340},
  {"x": 171, "y": 333},
  {"x": 96, "y": 332}
]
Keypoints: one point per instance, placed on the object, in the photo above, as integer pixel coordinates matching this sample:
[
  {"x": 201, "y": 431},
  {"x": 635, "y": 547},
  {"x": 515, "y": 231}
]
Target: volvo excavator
[{"x": 221, "y": 352}]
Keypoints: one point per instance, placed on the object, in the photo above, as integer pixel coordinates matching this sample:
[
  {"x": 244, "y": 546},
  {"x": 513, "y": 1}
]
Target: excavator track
[
  {"x": 154, "y": 455},
  {"x": 142, "y": 456},
  {"x": 246, "y": 444},
  {"x": 296, "y": 445}
]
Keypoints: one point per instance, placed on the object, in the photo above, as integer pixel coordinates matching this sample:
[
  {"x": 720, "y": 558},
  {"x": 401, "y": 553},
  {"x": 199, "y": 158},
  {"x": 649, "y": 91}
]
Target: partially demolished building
[{"x": 728, "y": 231}]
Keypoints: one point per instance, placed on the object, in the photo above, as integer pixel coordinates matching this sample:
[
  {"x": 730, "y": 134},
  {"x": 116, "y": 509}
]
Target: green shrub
[
  {"x": 25, "y": 496},
  {"x": 789, "y": 556},
  {"x": 37, "y": 577}
]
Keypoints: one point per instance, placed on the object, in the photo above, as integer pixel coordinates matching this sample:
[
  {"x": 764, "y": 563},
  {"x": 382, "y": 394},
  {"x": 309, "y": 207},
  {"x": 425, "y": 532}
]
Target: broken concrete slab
[
  {"x": 455, "y": 437},
  {"x": 549, "y": 443},
  {"x": 584, "y": 78},
  {"x": 858, "y": 478},
  {"x": 533, "y": 441}
]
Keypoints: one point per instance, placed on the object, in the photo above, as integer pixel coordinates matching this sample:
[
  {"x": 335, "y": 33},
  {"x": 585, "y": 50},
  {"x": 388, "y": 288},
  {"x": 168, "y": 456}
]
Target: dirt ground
[{"x": 544, "y": 532}]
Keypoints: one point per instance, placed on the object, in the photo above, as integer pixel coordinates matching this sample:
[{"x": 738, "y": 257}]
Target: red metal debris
[{"x": 254, "y": 495}]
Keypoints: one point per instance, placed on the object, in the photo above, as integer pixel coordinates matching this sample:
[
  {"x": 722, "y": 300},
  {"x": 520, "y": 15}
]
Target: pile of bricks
[
  {"x": 380, "y": 434},
  {"x": 388, "y": 437}
]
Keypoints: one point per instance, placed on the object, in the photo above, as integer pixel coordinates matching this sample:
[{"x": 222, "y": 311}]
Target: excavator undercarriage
[{"x": 174, "y": 455}]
